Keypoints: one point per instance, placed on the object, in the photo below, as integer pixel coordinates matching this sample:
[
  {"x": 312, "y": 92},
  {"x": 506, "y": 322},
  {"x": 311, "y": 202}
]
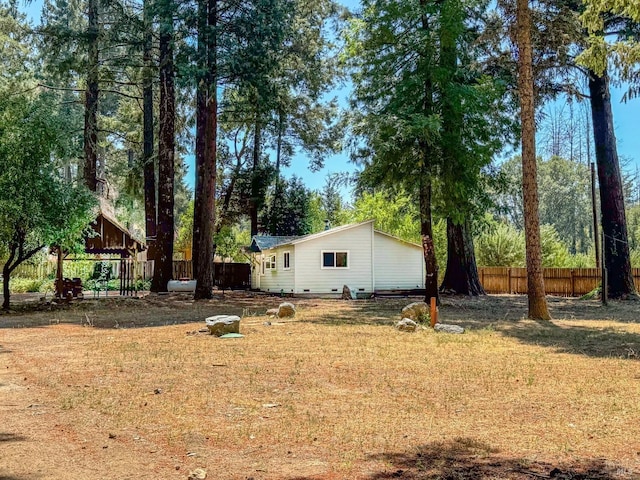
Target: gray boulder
[
  {"x": 417, "y": 311},
  {"x": 286, "y": 309},
  {"x": 443, "y": 327},
  {"x": 407, "y": 325},
  {"x": 219, "y": 325},
  {"x": 349, "y": 293}
]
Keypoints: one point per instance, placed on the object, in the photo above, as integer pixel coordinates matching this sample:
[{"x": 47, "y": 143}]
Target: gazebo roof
[{"x": 111, "y": 236}]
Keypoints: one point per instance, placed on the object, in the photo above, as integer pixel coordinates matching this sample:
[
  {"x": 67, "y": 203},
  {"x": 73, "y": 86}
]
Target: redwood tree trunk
[
  {"x": 537, "y": 301},
  {"x": 426, "y": 224},
  {"x": 614, "y": 223},
  {"x": 207, "y": 210},
  {"x": 426, "y": 232},
  {"x": 163, "y": 270},
  {"x": 91, "y": 100},
  {"x": 149, "y": 170},
  {"x": 461, "y": 275},
  {"x": 201, "y": 131}
]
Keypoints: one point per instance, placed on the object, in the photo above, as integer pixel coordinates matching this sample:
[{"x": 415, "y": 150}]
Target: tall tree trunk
[
  {"x": 91, "y": 101},
  {"x": 6, "y": 278},
  {"x": 254, "y": 202},
  {"x": 206, "y": 251},
  {"x": 537, "y": 301},
  {"x": 426, "y": 233},
  {"x": 166, "y": 151},
  {"x": 614, "y": 223},
  {"x": 6, "y": 292},
  {"x": 202, "y": 90},
  {"x": 426, "y": 222},
  {"x": 149, "y": 170},
  {"x": 461, "y": 275}
]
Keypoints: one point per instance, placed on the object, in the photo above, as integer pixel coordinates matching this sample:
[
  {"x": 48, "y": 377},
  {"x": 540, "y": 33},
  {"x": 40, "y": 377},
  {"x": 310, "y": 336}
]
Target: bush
[
  {"x": 555, "y": 253},
  {"x": 502, "y": 246},
  {"x": 28, "y": 285}
]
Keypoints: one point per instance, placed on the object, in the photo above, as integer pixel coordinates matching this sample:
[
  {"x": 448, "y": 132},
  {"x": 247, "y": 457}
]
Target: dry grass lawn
[{"x": 336, "y": 393}]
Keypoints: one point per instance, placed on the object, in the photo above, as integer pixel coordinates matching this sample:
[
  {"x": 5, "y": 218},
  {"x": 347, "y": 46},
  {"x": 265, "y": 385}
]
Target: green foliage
[
  {"x": 37, "y": 206},
  {"x": 625, "y": 52},
  {"x": 397, "y": 215},
  {"x": 184, "y": 236},
  {"x": 564, "y": 199},
  {"x": 30, "y": 285},
  {"x": 502, "y": 246},
  {"x": 289, "y": 210},
  {"x": 554, "y": 251},
  {"x": 230, "y": 242}
]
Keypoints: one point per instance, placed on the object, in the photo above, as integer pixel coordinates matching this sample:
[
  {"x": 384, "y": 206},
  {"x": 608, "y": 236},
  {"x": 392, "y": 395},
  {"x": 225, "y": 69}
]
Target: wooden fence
[{"x": 566, "y": 282}]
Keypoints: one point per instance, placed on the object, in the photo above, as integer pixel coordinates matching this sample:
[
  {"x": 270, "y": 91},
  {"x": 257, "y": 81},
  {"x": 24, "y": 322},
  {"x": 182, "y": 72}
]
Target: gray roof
[{"x": 265, "y": 242}]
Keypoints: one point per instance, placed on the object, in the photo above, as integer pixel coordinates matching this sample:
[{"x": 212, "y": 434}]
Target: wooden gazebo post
[{"x": 59, "y": 286}]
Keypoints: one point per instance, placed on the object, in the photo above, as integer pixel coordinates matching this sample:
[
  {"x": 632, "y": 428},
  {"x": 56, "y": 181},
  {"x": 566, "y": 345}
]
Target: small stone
[
  {"x": 446, "y": 328},
  {"x": 417, "y": 311},
  {"x": 286, "y": 309},
  {"x": 219, "y": 325},
  {"x": 198, "y": 474},
  {"x": 406, "y": 325},
  {"x": 267, "y": 324},
  {"x": 272, "y": 312}
]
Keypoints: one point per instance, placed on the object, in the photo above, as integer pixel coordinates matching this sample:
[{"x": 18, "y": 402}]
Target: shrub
[
  {"x": 27, "y": 285},
  {"x": 503, "y": 246}
]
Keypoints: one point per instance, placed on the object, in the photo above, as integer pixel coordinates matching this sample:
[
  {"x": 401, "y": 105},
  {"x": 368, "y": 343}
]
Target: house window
[
  {"x": 286, "y": 260},
  {"x": 270, "y": 262},
  {"x": 335, "y": 260}
]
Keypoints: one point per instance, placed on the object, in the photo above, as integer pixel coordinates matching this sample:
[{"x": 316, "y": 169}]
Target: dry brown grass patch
[{"x": 338, "y": 393}]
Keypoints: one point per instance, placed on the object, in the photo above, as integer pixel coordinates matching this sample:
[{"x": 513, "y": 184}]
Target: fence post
[
  {"x": 509, "y": 280},
  {"x": 573, "y": 286}
]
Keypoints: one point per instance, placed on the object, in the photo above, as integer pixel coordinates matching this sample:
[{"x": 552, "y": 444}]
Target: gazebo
[{"x": 108, "y": 237}]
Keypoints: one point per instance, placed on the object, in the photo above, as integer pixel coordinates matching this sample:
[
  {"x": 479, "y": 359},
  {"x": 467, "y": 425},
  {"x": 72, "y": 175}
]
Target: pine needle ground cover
[{"x": 335, "y": 393}]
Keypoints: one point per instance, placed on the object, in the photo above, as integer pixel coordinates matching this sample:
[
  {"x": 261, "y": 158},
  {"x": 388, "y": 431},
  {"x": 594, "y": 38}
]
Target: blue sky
[{"x": 625, "y": 121}]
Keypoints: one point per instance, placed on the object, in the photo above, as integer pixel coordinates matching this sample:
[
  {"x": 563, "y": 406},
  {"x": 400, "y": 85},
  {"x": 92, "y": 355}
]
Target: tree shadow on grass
[
  {"x": 469, "y": 459},
  {"x": 593, "y": 342}
]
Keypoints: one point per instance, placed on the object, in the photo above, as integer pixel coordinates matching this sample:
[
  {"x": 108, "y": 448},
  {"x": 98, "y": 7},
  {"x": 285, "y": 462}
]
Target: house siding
[
  {"x": 279, "y": 279},
  {"x": 398, "y": 265},
  {"x": 310, "y": 277}
]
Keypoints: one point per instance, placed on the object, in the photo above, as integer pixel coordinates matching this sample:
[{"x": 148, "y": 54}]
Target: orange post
[{"x": 434, "y": 312}]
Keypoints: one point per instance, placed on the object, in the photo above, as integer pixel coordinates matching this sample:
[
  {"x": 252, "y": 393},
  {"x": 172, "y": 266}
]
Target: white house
[{"x": 356, "y": 255}]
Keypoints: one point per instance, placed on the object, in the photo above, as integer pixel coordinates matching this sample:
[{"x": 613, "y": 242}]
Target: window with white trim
[
  {"x": 335, "y": 259},
  {"x": 286, "y": 260},
  {"x": 270, "y": 262}
]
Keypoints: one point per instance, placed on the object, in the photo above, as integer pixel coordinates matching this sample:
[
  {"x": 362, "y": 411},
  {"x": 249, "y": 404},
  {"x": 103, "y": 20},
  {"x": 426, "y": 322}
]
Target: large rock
[
  {"x": 349, "y": 293},
  {"x": 443, "y": 327},
  {"x": 417, "y": 311},
  {"x": 219, "y": 325},
  {"x": 407, "y": 325},
  {"x": 197, "y": 474},
  {"x": 272, "y": 312},
  {"x": 286, "y": 309}
]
